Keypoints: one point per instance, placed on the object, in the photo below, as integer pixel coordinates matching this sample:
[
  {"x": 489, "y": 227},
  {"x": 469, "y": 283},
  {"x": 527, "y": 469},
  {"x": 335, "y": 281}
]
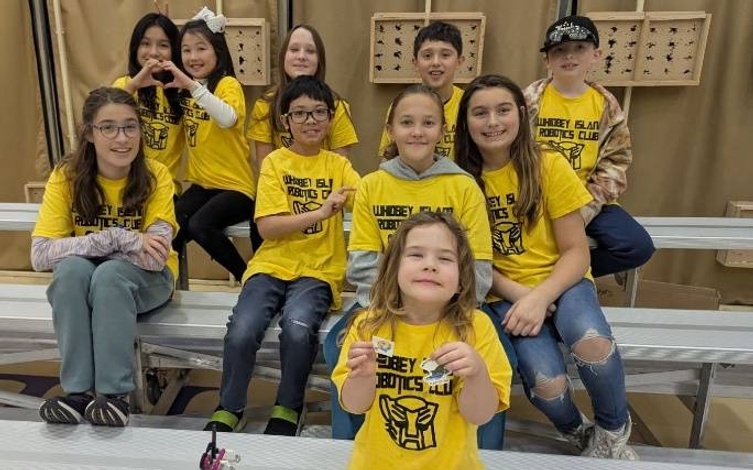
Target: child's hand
[
  {"x": 155, "y": 246},
  {"x": 145, "y": 77},
  {"x": 180, "y": 79},
  {"x": 335, "y": 201},
  {"x": 361, "y": 360},
  {"x": 459, "y": 358},
  {"x": 527, "y": 315}
]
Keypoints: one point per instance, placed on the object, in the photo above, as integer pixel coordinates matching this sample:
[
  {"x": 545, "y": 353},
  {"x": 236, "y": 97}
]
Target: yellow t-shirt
[
  {"x": 446, "y": 146},
  {"x": 522, "y": 253},
  {"x": 57, "y": 219},
  {"x": 341, "y": 131},
  {"x": 290, "y": 183},
  {"x": 219, "y": 158},
  {"x": 571, "y": 126},
  {"x": 412, "y": 425},
  {"x": 161, "y": 131},
  {"x": 384, "y": 201}
]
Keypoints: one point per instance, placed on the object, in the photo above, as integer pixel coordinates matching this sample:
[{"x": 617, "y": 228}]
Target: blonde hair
[{"x": 386, "y": 301}]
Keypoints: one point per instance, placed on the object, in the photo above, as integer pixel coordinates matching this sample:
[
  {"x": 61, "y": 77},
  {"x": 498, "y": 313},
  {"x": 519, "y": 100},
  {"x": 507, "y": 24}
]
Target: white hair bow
[{"x": 215, "y": 23}]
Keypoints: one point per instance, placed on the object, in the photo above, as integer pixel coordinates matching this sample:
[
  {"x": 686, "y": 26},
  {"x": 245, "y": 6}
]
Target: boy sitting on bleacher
[{"x": 298, "y": 269}]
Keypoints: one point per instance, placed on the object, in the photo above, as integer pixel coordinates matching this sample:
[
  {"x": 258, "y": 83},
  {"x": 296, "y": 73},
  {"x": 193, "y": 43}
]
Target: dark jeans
[
  {"x": 621, "y": 242},
  {"x": 491, "y": 436},
  {"x": 203, "y": 214},
  {"x": 303, "y": 303}
]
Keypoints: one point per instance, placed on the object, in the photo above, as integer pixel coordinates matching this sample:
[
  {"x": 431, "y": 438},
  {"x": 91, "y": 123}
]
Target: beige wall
[{"x": 690, "y": 143}]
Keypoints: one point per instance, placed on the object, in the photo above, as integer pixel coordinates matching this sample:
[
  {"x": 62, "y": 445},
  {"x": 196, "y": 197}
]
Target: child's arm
[
  {"x": 609, "y": 179},
  {"x": 276, "y": 226},
  {"x": 222, "y": 113},
  {"x": 145, "y": 77},
  {"x": 527, "y": 314},
  {"x": 359, "y": 389},
  {"x": 478, "y": 401}
]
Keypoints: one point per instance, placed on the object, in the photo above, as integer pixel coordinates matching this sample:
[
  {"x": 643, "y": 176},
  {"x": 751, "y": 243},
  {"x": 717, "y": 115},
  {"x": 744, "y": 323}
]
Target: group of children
[{"x": 468, "y": 246}]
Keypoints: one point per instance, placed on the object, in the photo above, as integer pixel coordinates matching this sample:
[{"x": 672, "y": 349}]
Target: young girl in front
[
  {"x": 155, "y": 41},
  {"x": 414, "y": 179},
  {"x": 421, "y": 362},
  {"x": 104, "y": 229},
  {"x": 302, "y": 53},
  {"x": 541, "y": 268},
  {"x": 223, "y": 187}
]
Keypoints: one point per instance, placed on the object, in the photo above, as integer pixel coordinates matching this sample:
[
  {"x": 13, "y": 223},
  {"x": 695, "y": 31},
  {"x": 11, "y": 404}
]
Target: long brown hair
[
  {"x": 386, "y": 299},
  {"x": 80, "y": 166},
  {"x": 525, "y": 153}
]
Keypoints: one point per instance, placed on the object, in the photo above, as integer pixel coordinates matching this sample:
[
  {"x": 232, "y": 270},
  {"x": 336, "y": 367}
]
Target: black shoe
[
  {"x": 223, "y": 420},
  {"x": 108, "y": 411},
  {"x": 284, "y": 422},
  {"x": 68, "y": 409}
]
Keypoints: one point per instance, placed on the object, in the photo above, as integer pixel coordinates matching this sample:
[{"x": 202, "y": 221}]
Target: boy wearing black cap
[{"x": 584, "y": 122}]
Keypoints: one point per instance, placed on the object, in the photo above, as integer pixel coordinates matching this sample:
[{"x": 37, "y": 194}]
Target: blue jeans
[
  {"x": 303, "y": 303},
  {"x": 95, "y": 303},
  {"x": 346, "y": 425},
  {"x": 621, "y": 242},
  {"x": 540, "y": 360}
]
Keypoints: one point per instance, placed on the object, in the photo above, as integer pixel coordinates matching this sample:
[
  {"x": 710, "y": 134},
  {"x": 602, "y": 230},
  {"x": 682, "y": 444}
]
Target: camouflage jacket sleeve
[{"x": 608, "y": 180}]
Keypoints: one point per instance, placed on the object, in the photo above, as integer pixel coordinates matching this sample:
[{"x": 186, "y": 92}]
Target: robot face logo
[
  {"x": 300, "y": 208},
  {"x": 155, "y": 135},
  {"x": 191, "y": 127},
  {"x": 409, "y": 421},
  {"x": 507, "y": 238},
  {"x": 571, "y": 151}
]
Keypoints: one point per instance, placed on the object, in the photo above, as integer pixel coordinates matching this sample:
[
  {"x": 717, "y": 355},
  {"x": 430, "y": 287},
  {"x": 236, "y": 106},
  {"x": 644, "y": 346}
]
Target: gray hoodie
[{"x": 362, "y": 265}]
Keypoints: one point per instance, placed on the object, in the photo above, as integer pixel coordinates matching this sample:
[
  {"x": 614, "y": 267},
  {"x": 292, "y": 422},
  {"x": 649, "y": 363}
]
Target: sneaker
[
  {"x": 580, "y": 436},
  {"x": 284, "y": 422},
  {"x": 68, "y": 409},
  {"x": 223, "y": 420},
  {"x": 611, "y": 444},
  {"x": 108, "y": 411}
]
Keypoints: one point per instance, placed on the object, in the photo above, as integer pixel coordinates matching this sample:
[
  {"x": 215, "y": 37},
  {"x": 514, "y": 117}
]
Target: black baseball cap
[{"x": 571, "y": 28}]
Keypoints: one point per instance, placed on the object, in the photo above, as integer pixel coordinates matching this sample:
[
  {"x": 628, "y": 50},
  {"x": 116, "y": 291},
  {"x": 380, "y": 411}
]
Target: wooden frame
[
  {"x": 248, "y": 41},
  {"x": 651, "y": 48},
  {"x": 737, "y": 258},
  {"x": 391, "y": 48}
]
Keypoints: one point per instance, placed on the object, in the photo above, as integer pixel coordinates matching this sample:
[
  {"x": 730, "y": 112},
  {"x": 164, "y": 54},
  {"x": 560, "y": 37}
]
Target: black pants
[{"x": 203, "y": 214}]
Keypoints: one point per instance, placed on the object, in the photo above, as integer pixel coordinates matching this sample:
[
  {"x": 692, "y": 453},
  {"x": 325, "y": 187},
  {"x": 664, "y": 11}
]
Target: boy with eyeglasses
[
  {"x": 299, "y": 268},
  {"x": 584, "y": 122}
]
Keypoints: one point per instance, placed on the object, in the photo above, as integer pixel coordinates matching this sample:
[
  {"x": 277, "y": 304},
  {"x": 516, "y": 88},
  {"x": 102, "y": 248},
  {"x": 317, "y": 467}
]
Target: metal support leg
[
  {"x": 702, "y": 403},
  {"x": 631, "y": 286},
  {"x": 183, "y": 267},
  {"x": 138, "y": 397}
]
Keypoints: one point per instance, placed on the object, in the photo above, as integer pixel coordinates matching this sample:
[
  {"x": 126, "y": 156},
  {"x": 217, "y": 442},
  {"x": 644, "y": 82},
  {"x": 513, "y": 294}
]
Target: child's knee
[
  {"x": 298, "y": 331},
  {"x": 593, "y": 348},
  {"x": 550, "y": 388}
]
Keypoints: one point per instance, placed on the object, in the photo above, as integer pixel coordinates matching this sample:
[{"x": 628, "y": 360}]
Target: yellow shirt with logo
[
  {"x": 384, "y": 201},
  {"x": 341, "y": 133},
  {"x": 522, "y": 253},
  {"x": 57, "y": 219},
  {"x": 219, "y": 158},
  {"x": 571, "y": 126},
  {"x": 446, "y": 146},
  {"x": 161, "y": 131},
  {"x": 290, "y": 183},
  {"x": 412, "y": 425}
]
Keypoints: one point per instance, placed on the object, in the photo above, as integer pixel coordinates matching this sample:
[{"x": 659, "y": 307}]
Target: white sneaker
[
  {"x": 581, "y": 436},
  {"x": 611, "y": 444}
]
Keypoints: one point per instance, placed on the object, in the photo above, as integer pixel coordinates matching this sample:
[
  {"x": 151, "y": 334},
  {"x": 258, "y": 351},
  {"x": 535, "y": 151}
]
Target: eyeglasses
[
  {"x": 572, "y": 31},
  {"x": 300, "y": 116},
  {"x": 111, "y": 131}
]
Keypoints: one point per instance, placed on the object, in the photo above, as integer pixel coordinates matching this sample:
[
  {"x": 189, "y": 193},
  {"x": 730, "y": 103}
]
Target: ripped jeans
[
  {"x": 579, "y": 325},
  {"x": 302, "y": 303}
]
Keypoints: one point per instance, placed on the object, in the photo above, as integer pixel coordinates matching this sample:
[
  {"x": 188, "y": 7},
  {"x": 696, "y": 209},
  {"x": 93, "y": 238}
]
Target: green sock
[{"x": 285, "y": 414}]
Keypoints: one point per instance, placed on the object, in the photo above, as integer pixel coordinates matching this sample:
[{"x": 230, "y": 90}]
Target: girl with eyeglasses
[
  {"x": 155, "y": 41},
  {"x": 104, "y": 229},
  {"x": 302, "y": 53},
  {"x": 223, "y": 186}
]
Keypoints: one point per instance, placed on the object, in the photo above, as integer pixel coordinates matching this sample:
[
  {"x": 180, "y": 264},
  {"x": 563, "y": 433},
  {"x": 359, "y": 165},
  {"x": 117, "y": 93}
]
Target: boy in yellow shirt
[
  {"x": 437, "y": 53},
  {"x": 299, "y": 268}
]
